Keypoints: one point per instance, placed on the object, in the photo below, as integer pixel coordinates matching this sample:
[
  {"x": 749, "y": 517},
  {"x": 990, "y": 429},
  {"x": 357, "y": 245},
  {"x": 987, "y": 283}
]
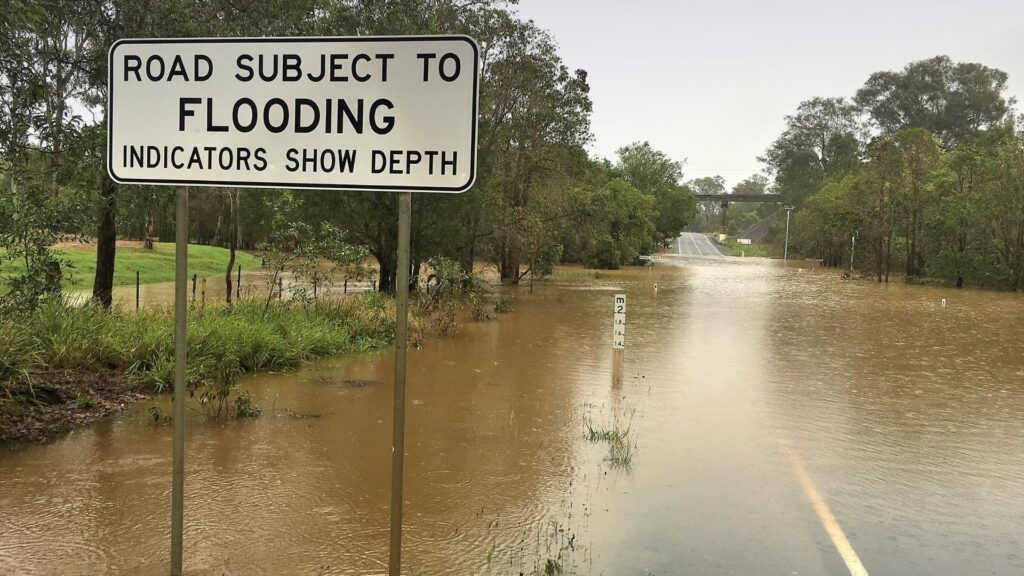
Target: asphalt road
[{"x": 694, "y": 244}]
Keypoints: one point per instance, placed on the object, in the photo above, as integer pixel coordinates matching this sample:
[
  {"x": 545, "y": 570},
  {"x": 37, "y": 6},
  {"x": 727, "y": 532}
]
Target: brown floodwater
[{"x": 772, "y": 413}]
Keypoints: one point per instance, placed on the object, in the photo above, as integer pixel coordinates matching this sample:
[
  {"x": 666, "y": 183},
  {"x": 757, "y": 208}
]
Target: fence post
[
  {"x": 238, "y": 284},
  {"x": 136, "y": 290},
  {"x": 203, "y": 292},
  {"x": 346, "y": 285},
  {"x": 193, "y": 288}
]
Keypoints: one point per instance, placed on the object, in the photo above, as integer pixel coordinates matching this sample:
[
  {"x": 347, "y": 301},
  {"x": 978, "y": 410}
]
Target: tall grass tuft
[
  {"x": 18, "y": 351},
  {"x": 223, "y": 343}
]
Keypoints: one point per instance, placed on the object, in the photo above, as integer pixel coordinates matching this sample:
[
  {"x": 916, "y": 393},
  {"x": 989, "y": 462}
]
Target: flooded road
[{"x": 781, "y": 421}]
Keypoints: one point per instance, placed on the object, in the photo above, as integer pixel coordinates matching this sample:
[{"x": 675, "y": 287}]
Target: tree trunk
[
  {"x": 147, "y": 241},
  {"x": 468, "y": 249},
  {"x": 106, "y": 244},
  {"x": 908, "y": 267},
  {"x": 414, "y": 276},
  {"x": 880, "y": 258},
  {"x": 509, "y": 265},
  {"x": 386, "y": 276},
  {"x": 888, "y": 256}
]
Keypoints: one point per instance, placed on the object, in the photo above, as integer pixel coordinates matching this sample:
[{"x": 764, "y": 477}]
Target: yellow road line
[{"x": 849, "y": 556}]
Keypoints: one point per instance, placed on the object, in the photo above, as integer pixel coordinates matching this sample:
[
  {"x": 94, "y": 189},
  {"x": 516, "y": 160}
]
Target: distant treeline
[
  {"x": 538, "y": 198},
  {"x": 924, "y": 166}
]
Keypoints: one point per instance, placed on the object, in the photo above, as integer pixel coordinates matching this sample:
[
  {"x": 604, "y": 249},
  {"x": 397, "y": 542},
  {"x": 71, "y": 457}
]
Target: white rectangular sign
[
  {"x": 362, "y": 113},
  {"x": 619, "y": 322}
]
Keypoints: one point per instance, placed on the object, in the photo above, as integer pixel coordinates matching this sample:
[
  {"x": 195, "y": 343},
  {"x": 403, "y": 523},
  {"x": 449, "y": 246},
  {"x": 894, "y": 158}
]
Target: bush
[
  {"x": 605, "y": 255},
  {"x": 503, "y": 305},
  {"x": 477, "y": 310}
]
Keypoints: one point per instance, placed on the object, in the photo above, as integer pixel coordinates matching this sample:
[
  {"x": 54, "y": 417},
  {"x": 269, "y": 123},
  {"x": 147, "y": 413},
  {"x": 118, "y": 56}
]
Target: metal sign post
[
  {"x": 180, "y": 359},
  {"x": 373, "y": 113},
  {"x": 401, "y": 337}
]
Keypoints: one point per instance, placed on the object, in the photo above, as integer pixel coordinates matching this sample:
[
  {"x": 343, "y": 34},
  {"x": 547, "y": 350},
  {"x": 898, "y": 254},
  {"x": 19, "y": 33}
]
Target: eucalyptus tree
[
  {"x": 822, "y": 140},
  {"x": 953, "y": 100}
]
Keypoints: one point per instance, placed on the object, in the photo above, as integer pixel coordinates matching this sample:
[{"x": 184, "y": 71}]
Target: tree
[
  {"x": 952, "y": 100},
  {"x": 41, "y": 54},
  {"x": 754, "y": 184},
  {"x": 821, "y": 140},
  {"x": 920, "y": 155},
  {"x": 654, "y": 173},
  {"x": 711, "y": 216},
  {"x": 535, "y": 115}
]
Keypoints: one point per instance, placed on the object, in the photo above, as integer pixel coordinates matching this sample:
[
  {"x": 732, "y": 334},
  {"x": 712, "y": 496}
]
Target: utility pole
[{"x": 785, "y": 249}]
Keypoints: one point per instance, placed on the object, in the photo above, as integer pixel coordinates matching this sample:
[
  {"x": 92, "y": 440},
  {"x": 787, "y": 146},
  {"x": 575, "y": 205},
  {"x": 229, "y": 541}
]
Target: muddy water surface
[{"x": 759, "y": 402}]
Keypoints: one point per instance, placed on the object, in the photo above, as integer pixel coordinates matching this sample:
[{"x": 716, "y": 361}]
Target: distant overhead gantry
[{"x": 725, "y": 199}]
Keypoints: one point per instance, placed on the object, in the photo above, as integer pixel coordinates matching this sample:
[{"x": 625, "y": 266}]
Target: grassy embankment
[
  {"x": 156, "y": 265},
  {"x": 64, "y": 366},
  {"x": 734, "y": 248}
]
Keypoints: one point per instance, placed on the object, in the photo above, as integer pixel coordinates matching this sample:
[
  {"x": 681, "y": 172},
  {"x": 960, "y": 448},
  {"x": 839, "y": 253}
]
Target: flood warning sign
[{"x": 365, "y": 113}]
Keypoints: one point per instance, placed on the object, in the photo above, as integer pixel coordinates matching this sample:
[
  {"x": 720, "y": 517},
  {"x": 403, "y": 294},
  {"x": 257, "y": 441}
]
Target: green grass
[
  {"x": 620, "y": 445},
  {"x": 576, "y": 274},
  {"x": 156, "y": 265},
  {"x": 733, "y": 248},
  {"x": 240, "y": 339}
]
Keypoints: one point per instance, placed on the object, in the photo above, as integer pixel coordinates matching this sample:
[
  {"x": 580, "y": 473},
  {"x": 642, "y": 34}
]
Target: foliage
[
  {"x": 478, "y": 309},
  {"x": 957, "y": 216},
  {"x": 503, "y": 305},
  {"x": 223, "y": 343},
  {"x": 654, "y": 173},
  {"x": 820, "y": 141},
  {"x": 952, "y": 100},
  {"x": 935, "y": 188},
  {"x": 447, "y": 284}
]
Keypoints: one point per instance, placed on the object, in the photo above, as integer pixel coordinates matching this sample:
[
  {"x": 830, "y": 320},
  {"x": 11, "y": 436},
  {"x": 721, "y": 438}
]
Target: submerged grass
[
  {"x": 63, "y": 356},
  {"x": 571, "y": 274},
  {"x": 620, "y": 444}
]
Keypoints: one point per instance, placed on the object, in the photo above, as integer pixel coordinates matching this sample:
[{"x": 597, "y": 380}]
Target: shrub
[{"x": 503, "y": 304}]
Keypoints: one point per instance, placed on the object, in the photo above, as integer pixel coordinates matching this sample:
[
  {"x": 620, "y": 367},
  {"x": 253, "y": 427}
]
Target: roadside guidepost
[
  {"x": 619, "y": 323},
  {"x": 785, "y": 249},
  {"x": 374, "y": 114},
  {"x": 853, "y": 249}
]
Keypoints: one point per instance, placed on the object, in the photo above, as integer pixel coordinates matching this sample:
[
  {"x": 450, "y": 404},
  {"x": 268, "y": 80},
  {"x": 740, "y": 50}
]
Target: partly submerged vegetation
[
  {"x": 621, "y": 445},
  {"x": 61, "y": 366}
]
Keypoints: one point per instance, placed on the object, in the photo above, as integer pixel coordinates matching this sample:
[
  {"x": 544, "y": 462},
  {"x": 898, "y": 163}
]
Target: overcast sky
[{"x": 711, "y": 81}]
